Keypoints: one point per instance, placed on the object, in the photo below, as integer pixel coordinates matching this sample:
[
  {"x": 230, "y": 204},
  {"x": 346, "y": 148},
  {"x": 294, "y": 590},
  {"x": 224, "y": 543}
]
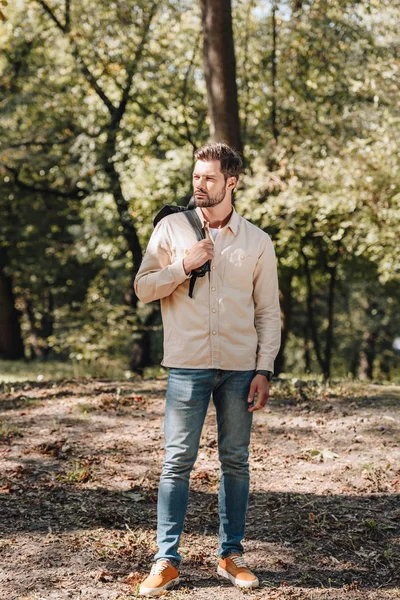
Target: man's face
[{"x": 209, "y": 185}]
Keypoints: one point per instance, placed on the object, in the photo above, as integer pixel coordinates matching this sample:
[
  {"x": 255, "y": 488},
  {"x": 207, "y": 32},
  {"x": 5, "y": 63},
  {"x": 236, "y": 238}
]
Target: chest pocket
[{"x": 238, "y": 270}]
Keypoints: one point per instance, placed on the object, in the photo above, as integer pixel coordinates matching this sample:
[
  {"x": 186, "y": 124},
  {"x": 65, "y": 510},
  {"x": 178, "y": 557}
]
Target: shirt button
[
  {"x": 186, "y": 252},
  {"x": 214, "y": 310},
  {"x": 213, "y": 289},
  {"x": 213, "y": 268},
  {"x": 214, "y": 332}
]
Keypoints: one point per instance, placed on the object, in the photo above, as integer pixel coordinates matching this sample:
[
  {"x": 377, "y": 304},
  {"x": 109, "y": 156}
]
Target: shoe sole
[
  {"x": 238, "y": 582},
  {"x": 160, "y": 590}
]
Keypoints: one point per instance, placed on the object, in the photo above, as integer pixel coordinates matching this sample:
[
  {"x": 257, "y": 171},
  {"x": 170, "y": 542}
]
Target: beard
[{"x": 205, "y": 200}]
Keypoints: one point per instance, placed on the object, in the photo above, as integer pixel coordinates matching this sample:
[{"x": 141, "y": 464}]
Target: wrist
[
  {"x": 267, "y": 374},
  {"x": 186, "y": 267}
]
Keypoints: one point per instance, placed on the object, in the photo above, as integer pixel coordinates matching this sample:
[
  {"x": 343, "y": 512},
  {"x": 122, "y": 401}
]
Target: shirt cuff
[
  {"x": 178, "y": 272},
  {"x": 265, "y": 364}
]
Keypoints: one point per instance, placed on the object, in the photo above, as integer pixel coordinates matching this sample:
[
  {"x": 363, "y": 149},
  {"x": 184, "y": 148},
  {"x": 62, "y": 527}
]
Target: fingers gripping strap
[{"x": 197, "y": 226}]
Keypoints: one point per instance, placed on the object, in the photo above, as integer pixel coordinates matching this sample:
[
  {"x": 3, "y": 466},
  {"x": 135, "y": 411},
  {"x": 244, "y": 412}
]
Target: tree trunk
[
  {"x": 39, "y": 336},
  {"x": 368, "y": 355},
  {"x": 47, "y": 322},
  {"x": 142, "y": 343},
  {"x": 128, "y": 226},
  {"x": 11, "y": 345},
  {"x": 355, "y": 362},
  {"x": 274, "y": 75},
  {"x": 34, "y": 342},
  {"x": 310, "y": 312},
  {"x": 307, "y": 350},
  {"x": 220, "y": 72},
  {"x": 117, "y": 112},
  {"x": 286, "y": 302},
  {"x": 329, "y": 330}
]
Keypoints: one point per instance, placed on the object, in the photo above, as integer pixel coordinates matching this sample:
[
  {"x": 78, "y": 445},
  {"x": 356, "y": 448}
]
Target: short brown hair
[{"x": 231, "y": 162}]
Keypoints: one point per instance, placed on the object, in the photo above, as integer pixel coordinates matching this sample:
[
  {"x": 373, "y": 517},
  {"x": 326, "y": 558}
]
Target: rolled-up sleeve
[
  {"x": 158, "y": 276},
  {"x": 267, "y": 315}
]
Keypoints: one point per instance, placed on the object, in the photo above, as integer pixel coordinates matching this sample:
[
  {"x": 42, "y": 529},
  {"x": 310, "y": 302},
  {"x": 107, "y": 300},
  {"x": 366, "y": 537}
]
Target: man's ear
[{"x": 232, "y": 182}]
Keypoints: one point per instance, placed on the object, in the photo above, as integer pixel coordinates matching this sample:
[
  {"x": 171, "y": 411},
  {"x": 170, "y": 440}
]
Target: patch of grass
[
  {"x": 389, "y": 553},
  {"x": 30, "y": 402},
  {"x": 52, "y": 370},
  {"x": 79, "y": 473},
  {"x": 317, "y": 521},
  {"x": 320, "y": 455},
  {"x": 134, "y": 545},
  {"x": 86, "y": 407},
  {"x": 8, "y": 431},
  {"x": 372, "y": 524},
  {"x": 376, "y": 476}
]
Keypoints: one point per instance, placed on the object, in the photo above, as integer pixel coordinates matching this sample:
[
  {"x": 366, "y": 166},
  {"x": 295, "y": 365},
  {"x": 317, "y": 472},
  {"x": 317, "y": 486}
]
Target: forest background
[{"x": 101, "y": 107}]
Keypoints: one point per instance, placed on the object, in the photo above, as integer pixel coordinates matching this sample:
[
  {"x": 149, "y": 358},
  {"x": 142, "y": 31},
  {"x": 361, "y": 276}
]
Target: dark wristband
[{"x": 267, "y": 374}]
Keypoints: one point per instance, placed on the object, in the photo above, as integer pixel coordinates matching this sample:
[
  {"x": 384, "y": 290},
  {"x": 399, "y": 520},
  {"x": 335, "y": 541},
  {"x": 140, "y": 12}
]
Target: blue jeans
[{"x": 188, "y": 396}]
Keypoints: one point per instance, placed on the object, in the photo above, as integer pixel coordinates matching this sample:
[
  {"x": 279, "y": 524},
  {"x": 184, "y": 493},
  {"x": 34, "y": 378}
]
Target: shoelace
[
  {"x": 159, "y": 567},
  {"x": 239, "y": 561}
]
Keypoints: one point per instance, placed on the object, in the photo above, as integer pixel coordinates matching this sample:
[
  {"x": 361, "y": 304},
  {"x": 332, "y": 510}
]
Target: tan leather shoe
[
  {"x": 162, "y": 577},
  {"x": 234, "y": 568}
]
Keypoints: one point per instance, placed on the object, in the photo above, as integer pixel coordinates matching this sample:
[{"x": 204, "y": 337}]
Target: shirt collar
[{"x": 233, "y": 222}]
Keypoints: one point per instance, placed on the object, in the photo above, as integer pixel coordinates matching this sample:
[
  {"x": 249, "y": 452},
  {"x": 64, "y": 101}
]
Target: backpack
[{"x": 197, "y": 227}]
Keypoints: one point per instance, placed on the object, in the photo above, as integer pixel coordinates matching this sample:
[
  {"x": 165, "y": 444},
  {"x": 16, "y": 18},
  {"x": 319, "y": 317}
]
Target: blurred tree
[
  {"x": 220, "y": 72},
  {"x": 325, "y": 169},
  {"x": 70, "y": 137},
  {"x": 122, "y": 76},
  {"x": 11, "y": 345}
]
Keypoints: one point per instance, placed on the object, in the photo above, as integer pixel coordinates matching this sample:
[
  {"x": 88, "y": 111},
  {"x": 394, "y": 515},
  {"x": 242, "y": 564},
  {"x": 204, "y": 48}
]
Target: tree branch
[
  {"x": 30, "y": 143},
  {"x": 76, "y": 54},
  {"x": 151, "y": 113},
  {"x": 185, "y": 87},
  {"x": 67, "y": 15},
  {"x": 52, "y": 16},
  {"x": 132, "y": 68},
  {"x": 75, "y": 193}
]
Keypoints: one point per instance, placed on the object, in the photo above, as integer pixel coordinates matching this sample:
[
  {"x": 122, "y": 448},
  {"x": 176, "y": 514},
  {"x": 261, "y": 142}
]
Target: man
[{"x": 220, "y": 343}]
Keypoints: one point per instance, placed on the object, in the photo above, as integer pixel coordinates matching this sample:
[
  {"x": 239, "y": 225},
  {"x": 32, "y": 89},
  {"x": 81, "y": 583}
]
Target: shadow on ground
[{"x": 324, "y": 540}]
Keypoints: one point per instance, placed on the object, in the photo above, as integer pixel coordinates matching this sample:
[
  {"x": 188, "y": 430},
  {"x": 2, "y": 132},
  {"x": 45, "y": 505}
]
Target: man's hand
[
  {"x": 200, "y": 253},
  {"x": 259, "y": 386}
]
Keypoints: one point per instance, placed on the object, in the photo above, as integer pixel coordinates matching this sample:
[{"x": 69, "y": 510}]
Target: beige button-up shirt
[{"x": 233, "y": 320}]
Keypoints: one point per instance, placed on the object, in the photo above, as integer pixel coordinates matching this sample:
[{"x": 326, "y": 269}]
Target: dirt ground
[{"x": 79, "y": 468}]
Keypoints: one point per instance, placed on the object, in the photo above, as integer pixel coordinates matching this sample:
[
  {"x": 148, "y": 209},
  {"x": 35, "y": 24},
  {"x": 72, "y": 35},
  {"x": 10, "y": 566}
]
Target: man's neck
[{"x": 217, "y": 217}]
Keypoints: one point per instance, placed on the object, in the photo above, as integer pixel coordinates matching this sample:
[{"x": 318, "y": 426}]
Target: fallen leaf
[{"x": 133, "y": 578}]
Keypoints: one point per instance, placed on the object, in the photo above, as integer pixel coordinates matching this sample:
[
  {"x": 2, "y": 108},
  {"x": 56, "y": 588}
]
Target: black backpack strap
[
  {"x": 168, "y": 209},
  {"x": 191, "y": 284},
  {"x": 197, "y": 227},
  {"x": 195, "y": 222}
]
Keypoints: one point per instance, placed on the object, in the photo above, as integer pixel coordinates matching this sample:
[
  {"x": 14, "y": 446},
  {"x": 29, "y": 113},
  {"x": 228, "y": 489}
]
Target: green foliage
[
  {"x": 322, "y": 173},
  {"x": 327, "y": 189}
]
